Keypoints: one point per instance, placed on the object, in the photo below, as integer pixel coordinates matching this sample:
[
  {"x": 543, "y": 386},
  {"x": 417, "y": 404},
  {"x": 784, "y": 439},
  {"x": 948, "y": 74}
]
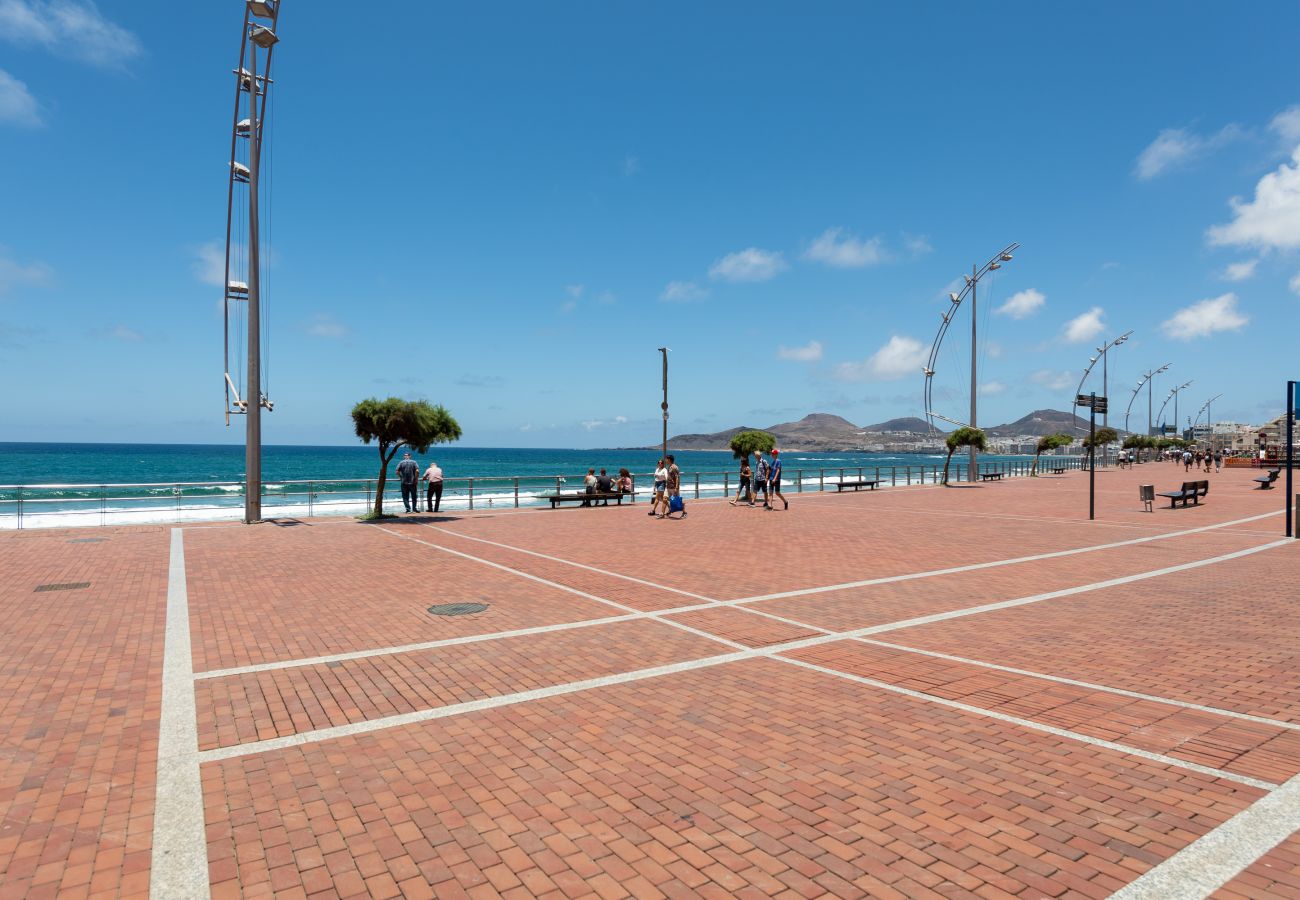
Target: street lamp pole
[
  {"x": 973, "y": 474},
  {"x": 664, "y": 406}
]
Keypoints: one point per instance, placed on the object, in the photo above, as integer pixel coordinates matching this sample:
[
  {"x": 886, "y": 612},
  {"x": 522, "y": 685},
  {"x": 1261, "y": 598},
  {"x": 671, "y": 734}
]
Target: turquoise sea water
[{"x": 293, "y": 477}]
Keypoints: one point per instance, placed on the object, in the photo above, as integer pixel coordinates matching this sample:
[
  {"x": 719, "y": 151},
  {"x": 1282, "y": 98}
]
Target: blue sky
[{"x": 506, "y": 208}]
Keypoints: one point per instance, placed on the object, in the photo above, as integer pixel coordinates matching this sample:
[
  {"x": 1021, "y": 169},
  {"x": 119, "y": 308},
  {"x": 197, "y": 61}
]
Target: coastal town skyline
[{"x": 508, "y": 215}]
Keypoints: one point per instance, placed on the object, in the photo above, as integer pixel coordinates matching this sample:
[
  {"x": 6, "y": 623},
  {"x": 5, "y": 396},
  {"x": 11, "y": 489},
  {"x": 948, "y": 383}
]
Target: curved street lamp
[
  {"x": 1205, "y": 409},
  {"x": 1105, "y": 375},
  {"x": 1173, "y": 395},
  {"x": 1003, "y": 255},
  {"x": 1146, "y": 379}
]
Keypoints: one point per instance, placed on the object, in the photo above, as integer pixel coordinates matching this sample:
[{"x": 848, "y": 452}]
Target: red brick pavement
[
  {"x": 80, "y": 688},
  {"x": 1275, "y": 874},
  {"x": 752, "y": 778}
]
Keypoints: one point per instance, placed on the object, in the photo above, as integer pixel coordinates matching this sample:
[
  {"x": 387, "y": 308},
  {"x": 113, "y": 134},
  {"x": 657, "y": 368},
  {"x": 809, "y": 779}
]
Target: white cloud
[
  {"x": 575, "y": 290},
  {"x": 992, "y": 388},
  {"x": 848, "y": 252},
  {"x": 750, "y": 264},
  {"x": 1176, "y": 147},
  {"x": 1294, "y": 283},
  {"x": 72, "y": 28},
  {"x": 209, "y": 263},
  {"x": 1052, "y": 380},
  {"x": 121, "y": 333},
  {"x": 1205, "y": 318},
  {"x": 1240, "y": 271},
  {"x": 811, "y": 352},
  {"x": 631, "y": 166},
  {"x": 683, "y": 292},
  {"x": 17, "y": 105},
  {"x": 1272, "y": 219},
  {"x": 620, "y": 420},
  {"x": 1085, "y": 327},
  {"x": 1286, "y": 125},
  {"x": 323, "y": 325},
  {"x": 900, "y": 357},
  {"x": 568, "y": 306},
  {"x": 1022, "y": 304},
  {"x": 606, "y": 298},
  {"x": 15, "y": 274},
  {"x": 917, "y": 245}
]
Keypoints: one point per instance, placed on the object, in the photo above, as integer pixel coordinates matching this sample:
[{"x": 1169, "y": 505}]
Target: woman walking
[
  {"x": 746, "y": 474},
  {"x": 661, "y": 484}
]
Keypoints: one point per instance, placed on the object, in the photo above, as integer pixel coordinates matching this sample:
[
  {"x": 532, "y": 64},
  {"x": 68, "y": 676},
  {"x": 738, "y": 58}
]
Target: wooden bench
[
  {"x": 590, "y": 499},
  {"x": 1057, "y": 470},
  {"x": 856, "y": 485},
  {"x": 991, "y": 476},
  {"x": 1191, "y": 490},
  {"x": 1266, "y": 481}
]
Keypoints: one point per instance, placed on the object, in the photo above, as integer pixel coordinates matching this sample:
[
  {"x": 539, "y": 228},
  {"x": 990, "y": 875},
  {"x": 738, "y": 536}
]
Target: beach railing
[{"x": 77, "y": 505}]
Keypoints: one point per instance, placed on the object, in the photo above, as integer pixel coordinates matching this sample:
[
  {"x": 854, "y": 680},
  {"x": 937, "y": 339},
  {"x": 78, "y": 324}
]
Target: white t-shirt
[
  {"x": 433, "y": 474},
  {"x": 661, "y": 474}
]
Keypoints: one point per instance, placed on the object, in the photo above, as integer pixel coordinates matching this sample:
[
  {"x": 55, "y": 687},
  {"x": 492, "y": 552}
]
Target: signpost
[
  {"x": 1290, "y": 453},
  {"x": 1095, "y": 405}
]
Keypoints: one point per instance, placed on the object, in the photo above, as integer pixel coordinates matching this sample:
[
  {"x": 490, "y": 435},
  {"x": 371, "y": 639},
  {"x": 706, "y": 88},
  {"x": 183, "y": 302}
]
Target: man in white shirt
[{"x": 433, "y": 496}]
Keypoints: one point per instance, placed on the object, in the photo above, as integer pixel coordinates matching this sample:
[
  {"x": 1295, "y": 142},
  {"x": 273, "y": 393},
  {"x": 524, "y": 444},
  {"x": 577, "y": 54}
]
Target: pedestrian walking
[
  {"x": 1218, "y": 460},
  {"x": 745, "y": 490},
  {"x": 774, "y": 481},
  {"x": 408, "y": 471},
  {"x": 674, "y": 485},
  {"x": 759, "y": 479},
  {"x": 661, "y": 485},
  {"x": 433, "y": 493}
]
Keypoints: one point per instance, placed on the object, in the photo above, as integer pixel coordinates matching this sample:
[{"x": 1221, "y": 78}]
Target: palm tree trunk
[{"x": 1033, "y": 470}]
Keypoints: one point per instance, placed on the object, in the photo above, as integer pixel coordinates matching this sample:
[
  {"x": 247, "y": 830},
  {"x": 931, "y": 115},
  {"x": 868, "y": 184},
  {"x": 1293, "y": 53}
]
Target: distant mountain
[
  {"x": 907, "y": 423},
  {"x": 824, "y": 431},
  {"x": 1041, "y": 422}
]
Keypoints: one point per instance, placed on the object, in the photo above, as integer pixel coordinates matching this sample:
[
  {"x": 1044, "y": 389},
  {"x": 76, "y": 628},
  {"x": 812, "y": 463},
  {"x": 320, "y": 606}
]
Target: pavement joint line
[
  {"x": 1136, "y": 695},
  {"x": 991, "y": 564},
  {"x": 633, "y": 613},
  {"x": 1223, "y": 853},
  {"x": 656, "y": 615},
  {"x": 412, "y": 648},
  {"x": 179, "y": 865},
  {"x": 770, "y": 652},
  {"x": 568, "y": 562},
  {"x": 1039, "y": 726}
]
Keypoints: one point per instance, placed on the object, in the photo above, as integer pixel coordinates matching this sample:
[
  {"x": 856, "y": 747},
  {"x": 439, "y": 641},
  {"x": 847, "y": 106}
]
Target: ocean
[{"x": 194, "y": 482}]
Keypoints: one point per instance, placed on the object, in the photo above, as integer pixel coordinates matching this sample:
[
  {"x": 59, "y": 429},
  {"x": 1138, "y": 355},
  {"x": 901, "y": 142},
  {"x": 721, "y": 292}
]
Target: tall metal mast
[{"x": 255, "y": 35}]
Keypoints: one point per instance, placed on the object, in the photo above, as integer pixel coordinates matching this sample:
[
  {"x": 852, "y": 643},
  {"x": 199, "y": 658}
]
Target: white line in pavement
[
  {"x": 1037, "y": 726},
  {"x": 411, "y": 648},
  {"x": 1215, "y": 858},
  {"x": 993, "y": 564},
  {"x": 568, "y": 562},
  {"x": 1276, "y": 723},
  {"x": 657, "y": 616},
  {"x": 180, "y": 845},
  {"x": 354, "y": 728}
]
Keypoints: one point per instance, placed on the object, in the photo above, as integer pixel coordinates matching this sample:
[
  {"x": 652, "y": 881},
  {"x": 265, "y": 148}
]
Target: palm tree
[
  {"x": 964, "y": 436},
  {"x": 1048, "y": 442}
]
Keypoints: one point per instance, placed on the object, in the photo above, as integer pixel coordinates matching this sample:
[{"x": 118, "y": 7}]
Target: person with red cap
[{"x": 774, "y": 481}]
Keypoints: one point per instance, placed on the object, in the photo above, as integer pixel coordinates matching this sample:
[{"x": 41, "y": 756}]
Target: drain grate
[
  {"x": 68, "y": 586},
  {"x": 87, "y": 540},
  {"x": 457, "y": 609}
]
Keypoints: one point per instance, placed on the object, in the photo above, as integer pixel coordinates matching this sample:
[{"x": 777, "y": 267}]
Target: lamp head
[
  {"x": 263, "y": 37},
  {"x": 264, "y": 9}
]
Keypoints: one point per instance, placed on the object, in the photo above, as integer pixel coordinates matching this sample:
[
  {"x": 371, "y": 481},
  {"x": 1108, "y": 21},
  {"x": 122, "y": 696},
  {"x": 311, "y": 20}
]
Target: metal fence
[{"x": 68, "y": 505}]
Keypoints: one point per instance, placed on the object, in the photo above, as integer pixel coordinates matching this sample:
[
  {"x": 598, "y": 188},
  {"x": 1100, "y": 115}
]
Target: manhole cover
[
  {"x": 70, "y": 586},
  {"x": 457, "y": 609}
]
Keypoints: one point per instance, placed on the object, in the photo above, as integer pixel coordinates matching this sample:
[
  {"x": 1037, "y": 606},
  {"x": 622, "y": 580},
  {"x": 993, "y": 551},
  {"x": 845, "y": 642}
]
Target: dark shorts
[
  {"x": 760, "y": 485},
  {"x": 776, "y": 485},
  {"x": 744, "y": 481}
]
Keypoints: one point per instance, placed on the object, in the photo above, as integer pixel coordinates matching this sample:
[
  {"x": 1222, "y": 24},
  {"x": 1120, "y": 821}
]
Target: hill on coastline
[{"x": 828, "y": 432}]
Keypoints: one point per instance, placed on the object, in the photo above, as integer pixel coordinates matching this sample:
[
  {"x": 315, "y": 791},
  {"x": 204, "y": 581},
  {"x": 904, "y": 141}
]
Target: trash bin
[{"x": 1147, "y": 494}]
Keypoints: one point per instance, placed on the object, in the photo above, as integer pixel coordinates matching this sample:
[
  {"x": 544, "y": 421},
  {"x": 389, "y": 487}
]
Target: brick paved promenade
[{"x": 917, "y": 692}]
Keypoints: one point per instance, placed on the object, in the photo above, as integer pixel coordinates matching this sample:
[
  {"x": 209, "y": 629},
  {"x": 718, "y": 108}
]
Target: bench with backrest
[
  {"x": 856, "y": 484},
  {"x": 589, "y": 499},
  {"x": 1057, "y": 470},
  {"x": 1191, "y": 490},
  {"x": 991, "y": 476},
  {"x": 1266, "y": 481}
]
